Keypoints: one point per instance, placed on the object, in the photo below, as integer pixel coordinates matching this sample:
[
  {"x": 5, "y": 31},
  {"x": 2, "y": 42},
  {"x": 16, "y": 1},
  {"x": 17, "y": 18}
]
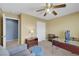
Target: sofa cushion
[
  {"x": 3, "y": 51},
  {"x": 17, "y": 49},
  {"x": 23, "y": 53}
]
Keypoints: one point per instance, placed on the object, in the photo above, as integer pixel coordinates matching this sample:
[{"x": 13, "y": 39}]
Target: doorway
[{"x": 11, "y": 32}]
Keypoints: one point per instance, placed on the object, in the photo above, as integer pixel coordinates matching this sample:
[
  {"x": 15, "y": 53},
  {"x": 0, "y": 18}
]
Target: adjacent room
[
  {"x": 42, "y": 29},
  {"x": 11, "y": 32}
]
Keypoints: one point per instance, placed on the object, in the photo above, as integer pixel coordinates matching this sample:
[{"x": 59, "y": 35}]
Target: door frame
[{"x": 4, "y": 29}]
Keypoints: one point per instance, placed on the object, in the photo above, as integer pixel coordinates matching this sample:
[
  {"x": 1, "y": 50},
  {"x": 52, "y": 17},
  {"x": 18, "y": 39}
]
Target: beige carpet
[
  {"x": 50, "y": 50},
  {"x": 10, "y": 44}
]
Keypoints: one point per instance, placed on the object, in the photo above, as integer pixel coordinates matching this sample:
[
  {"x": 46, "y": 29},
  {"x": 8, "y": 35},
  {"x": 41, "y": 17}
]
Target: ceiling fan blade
[
  {"x": 54, "y": 12},
  {"x": 60, "y": 6},
  {"x": 49, "y": 5},
  {"x": 45, "y": 14},
  {"x": 40, "y": 10}
]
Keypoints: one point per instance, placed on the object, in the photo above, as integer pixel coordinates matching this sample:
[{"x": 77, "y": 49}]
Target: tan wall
[
  {"x": 0, "y": 28},
  {"x": 28, "y": 23},
  {"x": 59, "y": 25}
]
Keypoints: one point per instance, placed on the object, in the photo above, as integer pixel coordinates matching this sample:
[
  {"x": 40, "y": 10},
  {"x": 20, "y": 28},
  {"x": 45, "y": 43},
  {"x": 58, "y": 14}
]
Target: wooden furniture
[
  {"x": 31, "y": 42},
  {"x": 75, "y": 38},
  {"x": 69, "y": 47},
  {"x": 51, "y": 37}
]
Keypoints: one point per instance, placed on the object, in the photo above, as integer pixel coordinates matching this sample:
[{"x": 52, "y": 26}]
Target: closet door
[{"x": 41, "y": 31}]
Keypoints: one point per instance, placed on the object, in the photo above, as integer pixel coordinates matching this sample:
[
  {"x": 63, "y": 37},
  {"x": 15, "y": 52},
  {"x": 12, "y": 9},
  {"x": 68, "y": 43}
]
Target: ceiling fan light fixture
[{"x": 48, "y": 11}]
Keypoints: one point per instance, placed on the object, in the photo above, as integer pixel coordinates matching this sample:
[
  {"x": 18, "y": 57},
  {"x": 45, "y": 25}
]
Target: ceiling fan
[{"x": 49, "y": 8}]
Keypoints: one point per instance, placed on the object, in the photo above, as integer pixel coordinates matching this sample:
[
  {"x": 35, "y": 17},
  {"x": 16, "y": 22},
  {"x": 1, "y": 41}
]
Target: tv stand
[
  {"x": 31, "y": 42},
  {"x": 72, "y": 48}
]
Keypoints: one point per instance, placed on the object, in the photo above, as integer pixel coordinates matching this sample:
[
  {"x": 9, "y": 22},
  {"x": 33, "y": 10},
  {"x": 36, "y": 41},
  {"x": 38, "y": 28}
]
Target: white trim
[
  {"x": 19, "y": 32},
  {"x": 4, "y": 31},
  {"x": 12, "y": 18}
]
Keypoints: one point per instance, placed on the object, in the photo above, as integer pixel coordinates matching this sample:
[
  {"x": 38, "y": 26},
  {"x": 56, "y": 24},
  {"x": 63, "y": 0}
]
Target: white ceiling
[{"x": 30, "y": 8}]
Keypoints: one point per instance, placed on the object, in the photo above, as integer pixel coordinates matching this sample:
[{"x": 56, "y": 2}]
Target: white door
[{"x": 41, "y": 31}]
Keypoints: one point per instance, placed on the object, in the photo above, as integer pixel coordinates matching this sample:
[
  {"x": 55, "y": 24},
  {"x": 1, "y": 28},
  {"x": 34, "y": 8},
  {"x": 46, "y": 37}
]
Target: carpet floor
[{"x": 50, "y": 50}]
